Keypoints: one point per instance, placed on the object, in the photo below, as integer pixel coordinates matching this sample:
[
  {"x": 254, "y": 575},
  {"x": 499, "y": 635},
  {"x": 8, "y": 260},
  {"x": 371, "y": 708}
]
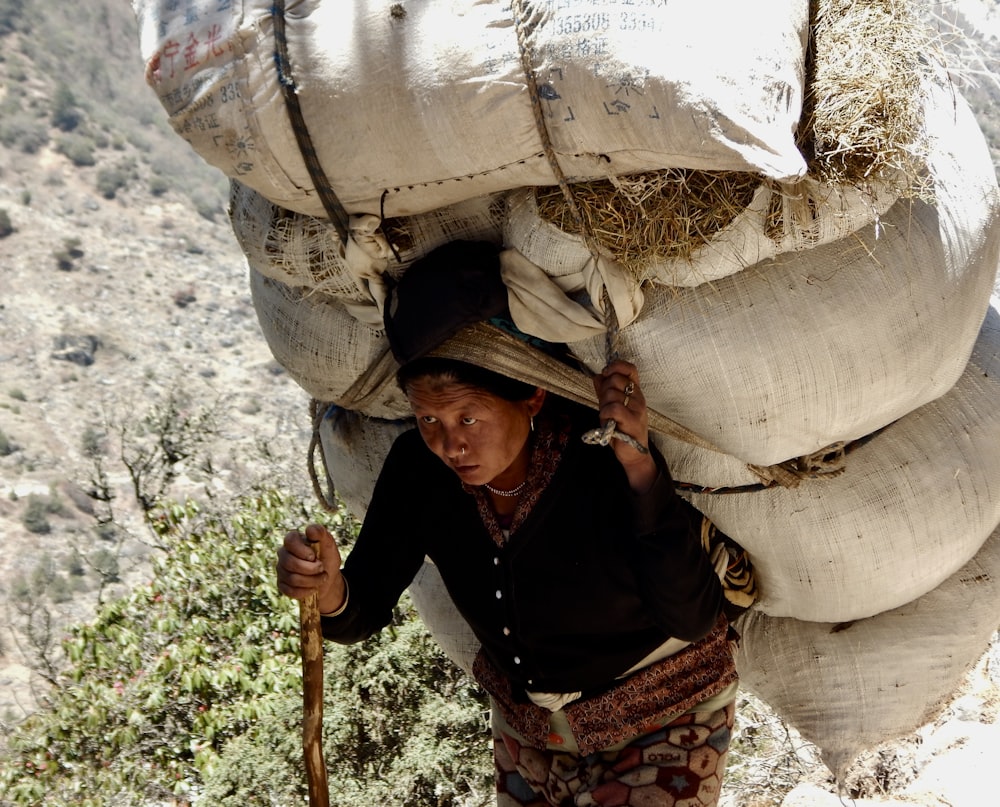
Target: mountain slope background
[
  {"x": 122, "y": 295},
  {"x": 124, "y": 309}
]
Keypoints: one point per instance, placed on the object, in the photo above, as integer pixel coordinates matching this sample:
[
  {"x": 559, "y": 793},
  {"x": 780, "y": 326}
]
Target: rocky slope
[{"x": 110, "y": 308}]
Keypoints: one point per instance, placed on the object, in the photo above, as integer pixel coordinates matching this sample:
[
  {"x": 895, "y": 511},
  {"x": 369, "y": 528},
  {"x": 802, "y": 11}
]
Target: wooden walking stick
[{"x": 311, "y": 640}]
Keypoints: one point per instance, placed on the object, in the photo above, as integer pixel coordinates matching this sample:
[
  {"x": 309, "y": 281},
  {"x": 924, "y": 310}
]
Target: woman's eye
[
  {"x": 428, "y": 419},
  {"x": 468, "y": 421}
]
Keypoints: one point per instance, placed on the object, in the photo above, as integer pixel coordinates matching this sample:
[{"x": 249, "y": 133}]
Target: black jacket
[{"x": 593, "y": 580}]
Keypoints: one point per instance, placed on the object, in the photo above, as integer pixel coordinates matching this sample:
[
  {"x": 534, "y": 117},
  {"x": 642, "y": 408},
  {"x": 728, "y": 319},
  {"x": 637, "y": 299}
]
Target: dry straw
[
  {"x": 863, "y": 117},
  {"x": 648, "y": 218},
  {"x": 862, "y": 124}
]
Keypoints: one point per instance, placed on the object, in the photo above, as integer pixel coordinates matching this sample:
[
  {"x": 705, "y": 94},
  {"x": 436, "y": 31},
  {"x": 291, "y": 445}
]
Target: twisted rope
[
  {"x": 524, "y": 24},
  {"x": 331, "y": 204},
  {"x": 317, "y": 411}
]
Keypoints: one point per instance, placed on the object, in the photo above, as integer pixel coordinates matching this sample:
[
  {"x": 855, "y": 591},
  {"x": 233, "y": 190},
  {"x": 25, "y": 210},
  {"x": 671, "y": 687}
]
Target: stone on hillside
[{"x": 78, "y": 349}]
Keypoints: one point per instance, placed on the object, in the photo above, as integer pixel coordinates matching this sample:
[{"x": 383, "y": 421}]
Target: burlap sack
[
  {"x": 415, "y": 106},
  {"x": 304, "y": 251},
  {"x": 827, "y": 345},
  {"x": 850, "y": 686},
  {"x": 914, "y": 504},
  {"x": 321, "y": 345},
  {"x": 354, "y": 448},
  {"x": 319, "y": 317}
]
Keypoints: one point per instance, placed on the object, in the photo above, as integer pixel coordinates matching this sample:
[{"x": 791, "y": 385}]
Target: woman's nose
[{"x": 454, "y": 446}]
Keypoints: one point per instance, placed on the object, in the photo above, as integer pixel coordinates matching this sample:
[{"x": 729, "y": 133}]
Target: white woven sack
[
  {"x": 833, "y": 211},
  {"x": 851, "y": 686},
  {"x": 914, "y": 504},
  {"x": 415, "y": 106},
  {"x": 323, "y": 348},
  {"x": 354, "y": 450},
  {"x": 442, "y": 618},
  {"x": 827, "y": 345},
  {"x": 301, "y": 250}
]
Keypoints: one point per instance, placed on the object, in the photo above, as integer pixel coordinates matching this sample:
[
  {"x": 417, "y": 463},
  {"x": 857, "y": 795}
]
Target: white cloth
[
  {"x": 366, "y": 255},
  {"x": 542, "y": 307}
]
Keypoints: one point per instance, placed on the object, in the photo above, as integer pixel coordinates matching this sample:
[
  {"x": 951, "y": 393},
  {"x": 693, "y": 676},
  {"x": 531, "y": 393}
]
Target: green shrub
[
  {"x": 74, "y": 564},
  {"x": 138, "y": 140},
  {"x": 35, "y": 516},
  {"x": 158, "y": 185},
  {"x": 6, "y": 445},
  {"x": 66, "y": 115},
  {"x": 191, "y": 686},
  {"x": 6, "y": 227},
  {"x": 105, "y": 563},
  {"x": 92, "y": 442},
  {"x": 11, "y": 16},
  {"x": 79, "y": 149},
  {"x": 205, "y": 206},
  {"x": 24, "y": 133},
  {"x": 59, "y": 589},
  {"x": 17, "y": 394},
  {"x": 112, "y": 179},
  {"x": 70, "y": 252}
]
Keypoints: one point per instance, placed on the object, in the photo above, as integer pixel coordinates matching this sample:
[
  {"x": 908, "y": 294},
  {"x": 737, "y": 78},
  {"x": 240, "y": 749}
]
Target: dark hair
[{"x": 460, "y": 372}]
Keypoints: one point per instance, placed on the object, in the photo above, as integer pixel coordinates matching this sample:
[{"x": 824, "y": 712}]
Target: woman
[{"x": 579, "y": 569}]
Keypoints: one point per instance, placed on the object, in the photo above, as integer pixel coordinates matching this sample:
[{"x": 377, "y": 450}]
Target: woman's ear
[{"x": 536, "y": 401}]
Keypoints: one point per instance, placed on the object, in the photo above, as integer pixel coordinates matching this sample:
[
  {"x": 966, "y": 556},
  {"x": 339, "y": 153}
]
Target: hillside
[{"x": 123, "y": 294}]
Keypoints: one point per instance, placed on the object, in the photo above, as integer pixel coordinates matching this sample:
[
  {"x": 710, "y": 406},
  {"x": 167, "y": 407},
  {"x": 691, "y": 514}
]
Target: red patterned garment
[
  {"x": 632, "y": 705},
  {"x": 678, "y": 765}
]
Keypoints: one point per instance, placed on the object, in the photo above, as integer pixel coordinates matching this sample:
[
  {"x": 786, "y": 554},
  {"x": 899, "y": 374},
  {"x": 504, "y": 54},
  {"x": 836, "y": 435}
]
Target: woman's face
[{"x": 480, "y": 436}]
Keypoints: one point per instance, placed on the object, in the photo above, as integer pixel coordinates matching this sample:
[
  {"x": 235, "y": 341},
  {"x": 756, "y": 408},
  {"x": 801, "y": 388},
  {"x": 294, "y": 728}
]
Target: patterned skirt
[{"x": 679, "y": 764}]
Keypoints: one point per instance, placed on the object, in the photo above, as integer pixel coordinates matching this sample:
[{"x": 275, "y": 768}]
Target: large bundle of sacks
[{"x": 821, "y": 314}]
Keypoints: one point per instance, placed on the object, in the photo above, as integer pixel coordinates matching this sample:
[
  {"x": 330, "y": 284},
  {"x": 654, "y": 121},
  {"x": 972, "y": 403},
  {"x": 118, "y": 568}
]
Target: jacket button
[
  {"x": 506, "y": 631},
  {"x": 517, "y": 659},
  {"x": 496, "y": 561},
  {"x": 499, "y": 594}
]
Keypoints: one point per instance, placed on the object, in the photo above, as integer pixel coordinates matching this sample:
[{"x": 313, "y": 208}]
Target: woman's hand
[
  {"x": 620, "y": 399},
  {"x": 301, "y": 573}
]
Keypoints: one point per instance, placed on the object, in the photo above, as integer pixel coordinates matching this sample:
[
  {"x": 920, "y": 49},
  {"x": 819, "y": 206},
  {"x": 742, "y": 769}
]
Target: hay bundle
[
  {"x": 862, "y": 124},
  {"x": 863, "y": 106},
  {"x": 652, "y": 217}
]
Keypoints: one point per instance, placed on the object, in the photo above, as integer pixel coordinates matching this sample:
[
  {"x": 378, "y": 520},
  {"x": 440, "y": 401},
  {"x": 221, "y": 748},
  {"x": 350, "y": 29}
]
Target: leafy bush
[
  {"x": 24, "y": 133},
  {"x": 6, "y": 444},
  {"x": 112, "y": 179},
  {"x": 401, "y": 726},
  {"x": 158, "y": 185},
  {"x": 92, "y": 442},
  {"x": 11, "y": 16},
  {"x": 6, "y": 226},
  {"x": 105, "y": 563},
  {"x": 69, "y": 253},
  {"x": 66, "y": 115},
  {"x": 191, "y": 686},
  {"x": 35, "y": 517},
  {"x": 79, "y": 149}
]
